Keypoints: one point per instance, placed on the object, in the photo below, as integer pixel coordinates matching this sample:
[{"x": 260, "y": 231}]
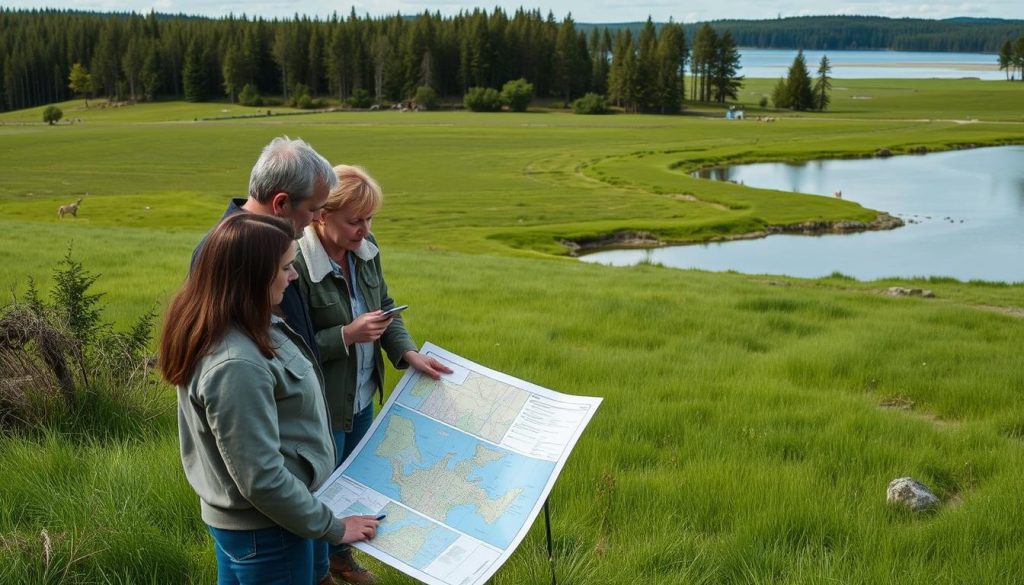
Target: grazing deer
[{"x": 71, "y": 208}]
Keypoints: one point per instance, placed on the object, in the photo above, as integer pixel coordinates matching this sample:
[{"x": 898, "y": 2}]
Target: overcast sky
[{"x": 582, "y": 10}]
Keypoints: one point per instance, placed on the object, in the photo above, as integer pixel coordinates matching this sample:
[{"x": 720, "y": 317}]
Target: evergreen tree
[
  {"x": 105, "y": 65},
  {"x": 284, "y": 55},
  {"x": 798, "y": 84},
  {"x": 1018, "y": 57},
  {"x": 701, "y": 60},
  {"x": 314, "y": 58},
  {"x": 1006, "y": 58},
  {"x": 173, "y": 44},
  {"x": 671, "y": 67},
  {"x": 725, "y": 82},
  {"x": 151, "y": 72},
  {"x": 569, "y": 62},
  {"x": 233, "y": 72},
  {"x": 194, "y": 73},
  {"x": 339, "y": 74},
  {"x": 131, "y": 63},
  {"x": 780, "y": 95},
  {"x": 622, "y": 74},
  {"x": 822, "y": 85},
  {"x": 645, "y": 83},
  {"x": 600, "y": 47},
  {"x": 381, "y": 51}
]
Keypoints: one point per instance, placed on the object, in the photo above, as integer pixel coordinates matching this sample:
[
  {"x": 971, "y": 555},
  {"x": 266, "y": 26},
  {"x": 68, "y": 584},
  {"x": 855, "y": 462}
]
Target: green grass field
[{"x": 750, "y": 424}]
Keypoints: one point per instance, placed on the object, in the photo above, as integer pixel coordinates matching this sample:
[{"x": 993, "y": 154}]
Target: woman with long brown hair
[{"x": 253, "y": 422}]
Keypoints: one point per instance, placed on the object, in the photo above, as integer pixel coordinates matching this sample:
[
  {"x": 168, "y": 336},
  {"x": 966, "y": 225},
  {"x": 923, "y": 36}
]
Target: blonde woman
[{"x": 341, "y": 278}]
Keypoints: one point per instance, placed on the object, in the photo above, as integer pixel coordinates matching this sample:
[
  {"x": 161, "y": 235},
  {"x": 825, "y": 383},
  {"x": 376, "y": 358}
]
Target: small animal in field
[
  {"x": 838, "y": 194},
  {"x": 71, "y": 208}
]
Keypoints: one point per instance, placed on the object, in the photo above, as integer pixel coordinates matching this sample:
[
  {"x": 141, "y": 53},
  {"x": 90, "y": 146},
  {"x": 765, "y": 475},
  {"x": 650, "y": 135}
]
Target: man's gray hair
[{"x": 291, "y": 166}]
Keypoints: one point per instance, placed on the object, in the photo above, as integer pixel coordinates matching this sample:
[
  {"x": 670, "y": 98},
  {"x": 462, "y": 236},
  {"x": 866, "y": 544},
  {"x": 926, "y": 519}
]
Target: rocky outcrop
[
  {"x": 899, "y": 291},
  {"x": 623, "y": 239},
  {"x": 883, "y": 221},
  {"x": 910, "y": 493},
  {"x": 641, "y": 239}
]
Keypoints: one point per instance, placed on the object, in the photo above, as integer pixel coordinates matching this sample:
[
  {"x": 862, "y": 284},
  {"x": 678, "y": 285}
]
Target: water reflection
[{"x": 964, "y": 212}]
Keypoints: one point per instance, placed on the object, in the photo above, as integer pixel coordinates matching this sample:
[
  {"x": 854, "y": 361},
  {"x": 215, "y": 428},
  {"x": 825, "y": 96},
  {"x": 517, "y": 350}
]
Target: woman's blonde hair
[{"x": 356, "y": 190}]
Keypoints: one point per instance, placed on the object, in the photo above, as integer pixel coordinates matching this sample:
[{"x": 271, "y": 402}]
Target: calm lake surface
[
  {"x": 775, "y": 63},
  {"x": 964, "y": 212}
]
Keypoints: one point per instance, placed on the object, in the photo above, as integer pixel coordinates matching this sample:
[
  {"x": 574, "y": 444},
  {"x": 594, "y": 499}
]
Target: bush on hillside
[
  {"x": 61, "y": 363},
  {"x": 52, "y": 115},
  {"x": 482, "y": 99},
  {"x": 299, "y": 97},
  {"x": 360, "y": 98},
  {"x": 425, "y": 97},
  {"x": 250, "y": 96},
  {"x": 590, "y": 103},
  {"x": 517, "y": 94}
]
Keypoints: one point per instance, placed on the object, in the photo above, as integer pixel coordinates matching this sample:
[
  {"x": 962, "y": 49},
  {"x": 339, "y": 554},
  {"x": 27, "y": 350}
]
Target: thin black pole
[{"x": 551, "y": 554}]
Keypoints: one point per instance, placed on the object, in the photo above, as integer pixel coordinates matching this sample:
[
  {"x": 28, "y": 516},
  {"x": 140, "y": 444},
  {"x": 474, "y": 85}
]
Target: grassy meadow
[{"x": 750, "y": 423}]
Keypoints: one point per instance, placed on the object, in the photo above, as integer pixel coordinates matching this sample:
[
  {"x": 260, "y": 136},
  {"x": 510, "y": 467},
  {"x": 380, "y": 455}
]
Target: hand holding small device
[{"x": 393, "y": 311}]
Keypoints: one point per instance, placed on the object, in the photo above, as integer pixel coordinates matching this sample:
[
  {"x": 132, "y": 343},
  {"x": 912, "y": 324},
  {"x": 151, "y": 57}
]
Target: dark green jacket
[{"x": 330, "y": 308}]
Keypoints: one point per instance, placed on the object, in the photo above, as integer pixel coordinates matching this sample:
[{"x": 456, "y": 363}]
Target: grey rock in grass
[
  {"x": 911, "y": 493},
  {"x": 899, "y": 291}
]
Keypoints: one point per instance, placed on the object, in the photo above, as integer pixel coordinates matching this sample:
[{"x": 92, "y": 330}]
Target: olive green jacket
[
  {"x": 330, "y": 308},
  {"x": 255, "y": 436}
]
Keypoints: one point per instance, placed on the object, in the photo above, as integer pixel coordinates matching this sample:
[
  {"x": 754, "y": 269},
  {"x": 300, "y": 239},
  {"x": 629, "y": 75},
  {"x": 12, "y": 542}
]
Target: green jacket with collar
[
  {"x": 330, "y": 307},
  {"x": 255, "y": 437}
]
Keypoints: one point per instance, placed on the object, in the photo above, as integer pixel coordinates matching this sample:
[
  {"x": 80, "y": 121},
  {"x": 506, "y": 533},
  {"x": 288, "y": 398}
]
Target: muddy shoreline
[{"x": 642, "y": 239}]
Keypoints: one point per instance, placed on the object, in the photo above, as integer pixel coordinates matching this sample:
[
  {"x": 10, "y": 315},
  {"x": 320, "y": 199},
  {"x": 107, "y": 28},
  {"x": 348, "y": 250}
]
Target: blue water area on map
[{"x": 434, "y": 442}]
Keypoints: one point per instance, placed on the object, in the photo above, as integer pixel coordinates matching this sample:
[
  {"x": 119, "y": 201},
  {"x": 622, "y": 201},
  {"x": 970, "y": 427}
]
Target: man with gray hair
[{"x": 289, "y": 180}]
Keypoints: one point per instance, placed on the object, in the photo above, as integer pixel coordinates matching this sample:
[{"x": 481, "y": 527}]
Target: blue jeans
[
  {"x": 344, "y": 443},
  {"x": 262, "y": 557}
]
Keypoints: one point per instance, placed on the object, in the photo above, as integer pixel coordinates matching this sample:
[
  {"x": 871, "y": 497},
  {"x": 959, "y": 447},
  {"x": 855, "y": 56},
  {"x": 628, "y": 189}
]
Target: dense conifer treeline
[
  {"x": 51, "y": 55},
  {"x": 964, "y": 35}
]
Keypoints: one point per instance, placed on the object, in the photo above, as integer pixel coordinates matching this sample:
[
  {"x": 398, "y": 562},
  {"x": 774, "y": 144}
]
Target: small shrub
[
  {"x": 517, "y": 94},
  {"x": 590, "y": 103},
  {"x": 250, "y": 96},
  {"x": 482, "y": 99},
  {"x": 299, "y": 96},
  {"x": 425, "y": 97},
  {"x": 52, "y": 114},
  {"x": 763, "y": 102},
  {"x": 360, "y": 98},
  {"x": 61, "y": 364}
]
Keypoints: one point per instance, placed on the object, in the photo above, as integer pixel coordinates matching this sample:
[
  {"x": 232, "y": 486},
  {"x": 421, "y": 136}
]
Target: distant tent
[{"x": 734, "y": 114}]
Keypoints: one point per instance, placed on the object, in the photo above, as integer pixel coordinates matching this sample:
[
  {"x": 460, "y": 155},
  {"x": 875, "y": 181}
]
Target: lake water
[
  {"x": 964, "y": 212},
  {"x": 774, "y": 63}
]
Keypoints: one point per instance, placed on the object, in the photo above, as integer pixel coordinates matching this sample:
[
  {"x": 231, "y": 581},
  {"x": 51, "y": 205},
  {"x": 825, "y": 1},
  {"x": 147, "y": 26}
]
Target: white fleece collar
[{"x": 318, "y": 263}]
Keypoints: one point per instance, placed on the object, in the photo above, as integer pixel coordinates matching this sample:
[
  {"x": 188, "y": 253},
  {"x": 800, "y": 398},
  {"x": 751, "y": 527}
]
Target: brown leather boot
[{"x": 345, "y": 567}]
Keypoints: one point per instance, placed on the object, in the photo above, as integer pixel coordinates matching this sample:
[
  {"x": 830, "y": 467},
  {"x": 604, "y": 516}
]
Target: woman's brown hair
[{"x": 229, "y": 286}]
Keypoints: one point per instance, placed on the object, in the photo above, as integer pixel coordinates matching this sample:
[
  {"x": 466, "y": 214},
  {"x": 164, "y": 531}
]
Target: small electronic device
[{"x": 393, "y": 311}]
